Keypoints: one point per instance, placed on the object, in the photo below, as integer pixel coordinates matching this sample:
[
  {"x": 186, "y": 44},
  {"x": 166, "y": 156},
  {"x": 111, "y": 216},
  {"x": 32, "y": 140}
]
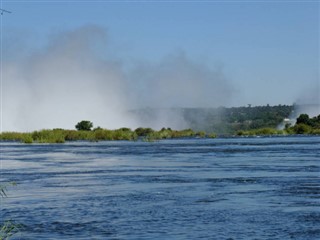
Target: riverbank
[
  {"x": 304, "y": 125},
  {"x": 62, "y": 135},
  {"x": 296, "y": 130},
  {"x": 140, "y": 134}
]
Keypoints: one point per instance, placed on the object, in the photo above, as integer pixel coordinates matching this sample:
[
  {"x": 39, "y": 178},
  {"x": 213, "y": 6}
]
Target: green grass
[
  {"x": 144, "y": 134},
  {"x": 261, "y": 132},
  {"x": 99, "y": 134},
  {"x": 7, "y": 228},
  {"x": 297, "y": 129}
]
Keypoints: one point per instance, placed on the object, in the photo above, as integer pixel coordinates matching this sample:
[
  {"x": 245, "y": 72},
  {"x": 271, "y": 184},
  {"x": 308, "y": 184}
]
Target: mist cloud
[
  {"x": 64, "y": 83},
  {"x": 72, "y": 78},
  {"x": 308, "y": 102},
  {"x": 178, "y": 81}
]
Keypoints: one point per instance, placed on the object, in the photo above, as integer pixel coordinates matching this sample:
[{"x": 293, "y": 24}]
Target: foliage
[
  {"x": 261, "y": 132},
  {"x": 225, "y": 121},
  {"x": 312, "y": 122},
  {"x": 7, "y": 228},
  {"x": 152, "y": 135},
  {"x": 15, "y": 136},
  {"x": 143, "y": 132},
  {"x": 165, "y": 133},
  {"x": 98, "y": 134},
  {"x": 27, "y": 138},
  {"x": 302, "y": 128},
  {"x": 48, "y": 136},
  {"x": 84, "y": 125},
  {"x": 124, "y": 134},
  {"x": 201, "y": 134},
  {"x": 315, "y": 131},
  {"x": 231, "y": 120},
  {"x": 304, "y": 119},
  {"x": 212, "y": 135},
  {"x": 3, "y": 188},
  {"x": 304, "y": 125},
  {"x": 183, "y": 133}
]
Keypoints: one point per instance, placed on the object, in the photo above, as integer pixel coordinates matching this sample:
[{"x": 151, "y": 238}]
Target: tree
[
  {"x": 143, "y": 131},
  {"x": 303, "y": 118},
  {"x": 84, "y": 126},
  {"x": 302, "y": 128}
]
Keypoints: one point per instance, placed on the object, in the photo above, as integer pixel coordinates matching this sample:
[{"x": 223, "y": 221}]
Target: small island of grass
[{"x": 85, "y": 132}]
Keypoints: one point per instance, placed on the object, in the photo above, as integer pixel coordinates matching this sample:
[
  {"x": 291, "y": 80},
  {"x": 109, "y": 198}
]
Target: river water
[{"x": 237, "y": 188}]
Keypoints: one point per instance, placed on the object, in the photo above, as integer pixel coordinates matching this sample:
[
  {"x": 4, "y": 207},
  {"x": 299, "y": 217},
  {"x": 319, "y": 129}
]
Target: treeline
[
  {"x": 99, "y": 134},
  {"x": 241, "y": 127},
  {"x": 230, "y": 120},
  {"x": 304, "y": 125},
  {"x": 222, "y": 120}
]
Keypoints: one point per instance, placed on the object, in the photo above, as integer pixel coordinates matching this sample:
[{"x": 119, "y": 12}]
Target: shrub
[
  {"x": 260, "y": 131},
  {"x": 304, "y": 119},
  {"x": 302, "y": 128},
  {"x": 84, "y": 125},
  {"x": 183, "y": 133},
  {"x": 27, "y": 139},
  {"x": 12, "y": 136},
  {"x": 315, "y": 131},
  {"x": 103, "y": 135},
  {"x": 165, "y": 133},
  {"x": 99, "y": 134},
  {"x": 121, "y": 135},
  {"x": 49, "y": 136},
  {"x": 265, "y": 131},
  {"x": 201, "y": 134},
  {"x": 7, "y": 228},
  {"x": 212, "y": 135},
  {"x": 142, "y": 132}
]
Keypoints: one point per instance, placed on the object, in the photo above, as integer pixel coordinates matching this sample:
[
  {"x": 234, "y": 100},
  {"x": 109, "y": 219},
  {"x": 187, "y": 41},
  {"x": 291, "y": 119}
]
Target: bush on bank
[
  {"x": 99, "y": 134},
  {"x": 304, "y": 125}
]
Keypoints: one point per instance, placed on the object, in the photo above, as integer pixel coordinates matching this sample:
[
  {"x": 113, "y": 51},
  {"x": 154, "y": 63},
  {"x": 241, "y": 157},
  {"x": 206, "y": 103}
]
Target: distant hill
[{"x": 220, "y": 120}]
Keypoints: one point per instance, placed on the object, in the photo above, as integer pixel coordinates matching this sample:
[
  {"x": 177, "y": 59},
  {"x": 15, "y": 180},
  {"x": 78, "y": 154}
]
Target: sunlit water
[{"x": 239, "y": 188}]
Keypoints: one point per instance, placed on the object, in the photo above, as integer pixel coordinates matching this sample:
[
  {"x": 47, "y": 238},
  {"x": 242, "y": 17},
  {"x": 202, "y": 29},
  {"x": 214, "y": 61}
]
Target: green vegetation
[
  {"x": 84, "y": 125},
  {"x": 261, "y": 132},
  {"x": 7, "y": 228},
  {"x": 222, "y": 120},
  {"x": 304, "y": 125},
  {"x": 149, "y": 134},
  {"x": 3, "y": 188},
  {"x": 227, "y": 121},
  {"x": 99, "y": 134}
]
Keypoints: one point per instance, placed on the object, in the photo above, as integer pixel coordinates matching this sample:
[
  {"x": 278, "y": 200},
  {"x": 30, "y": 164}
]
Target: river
[{"x": 232, "y": 188}]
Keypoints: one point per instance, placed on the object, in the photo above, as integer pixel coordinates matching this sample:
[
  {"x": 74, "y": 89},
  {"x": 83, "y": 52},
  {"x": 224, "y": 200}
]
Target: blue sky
[{"x": 267, "y": 50}]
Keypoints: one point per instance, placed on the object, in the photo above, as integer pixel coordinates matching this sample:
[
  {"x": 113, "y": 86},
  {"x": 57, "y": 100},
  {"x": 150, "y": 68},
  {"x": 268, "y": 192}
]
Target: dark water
[{"x": 255, "y": 188}]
